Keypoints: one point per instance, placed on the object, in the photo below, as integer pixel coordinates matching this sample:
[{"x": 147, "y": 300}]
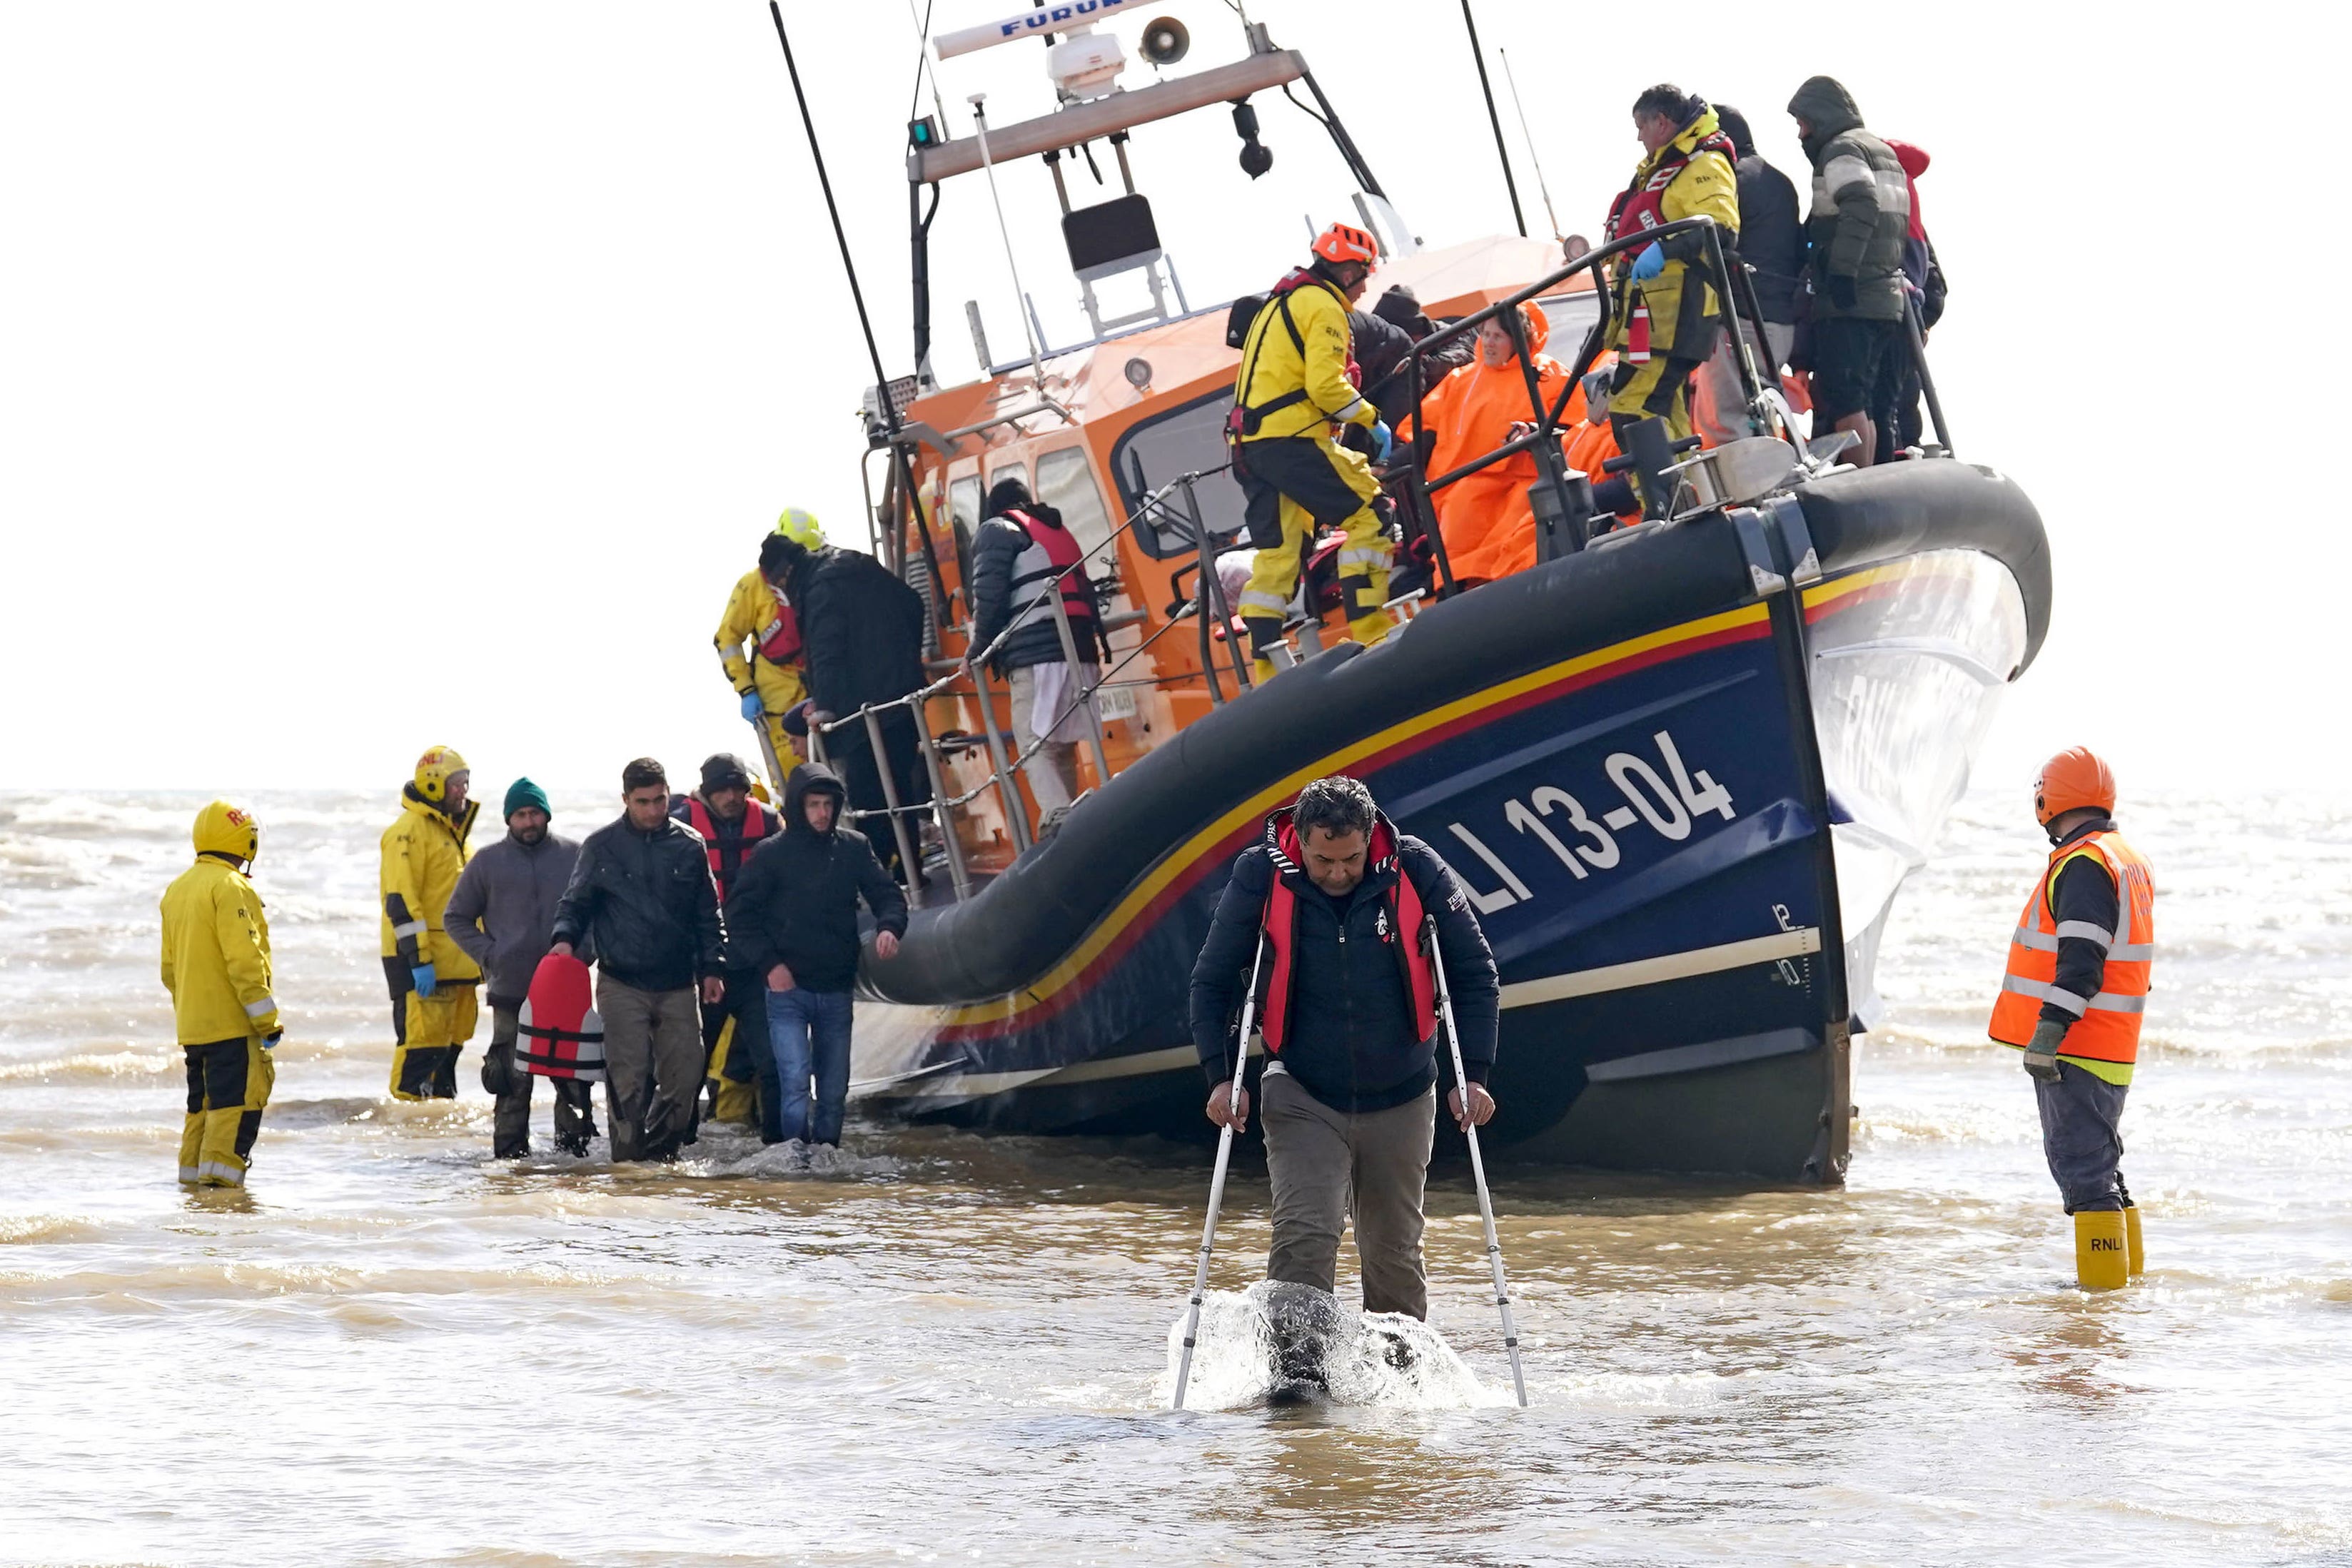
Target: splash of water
[{"x": 1374, "y": 1360}]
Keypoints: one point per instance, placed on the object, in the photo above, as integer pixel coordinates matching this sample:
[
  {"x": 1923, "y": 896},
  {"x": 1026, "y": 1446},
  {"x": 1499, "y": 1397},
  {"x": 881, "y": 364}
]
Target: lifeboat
[{"x": 1682, "y": 768}]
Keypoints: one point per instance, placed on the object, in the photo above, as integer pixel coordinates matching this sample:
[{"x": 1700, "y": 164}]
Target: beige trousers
[{"x": 1326, "y": 1165}]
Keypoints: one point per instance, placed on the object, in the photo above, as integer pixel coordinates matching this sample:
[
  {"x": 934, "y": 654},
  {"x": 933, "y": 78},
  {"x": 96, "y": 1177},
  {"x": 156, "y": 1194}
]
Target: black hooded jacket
[
  {"x": 861, "y": 628},
  {"x": 1353, "y": 1043},
  {"x": 796, "y": 901},
  {"x": 1772, "y": 225}
]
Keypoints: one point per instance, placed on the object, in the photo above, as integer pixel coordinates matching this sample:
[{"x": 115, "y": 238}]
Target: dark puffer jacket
[
  {"x": 995, "y": 552},
  {"x": 646, "y": 902},
  {"x": 796, "y": 901},
  {"x": 1862, "y": 206},
  {"x": 1354, "y": 1043}
]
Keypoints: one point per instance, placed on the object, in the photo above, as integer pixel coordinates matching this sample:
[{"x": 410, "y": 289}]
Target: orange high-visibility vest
[{"x": 2107, "y": 1028}]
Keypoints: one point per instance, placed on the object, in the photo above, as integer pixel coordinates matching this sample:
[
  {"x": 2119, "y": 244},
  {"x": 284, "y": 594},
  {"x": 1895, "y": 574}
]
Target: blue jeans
[{"x": 808, "y": 1034}]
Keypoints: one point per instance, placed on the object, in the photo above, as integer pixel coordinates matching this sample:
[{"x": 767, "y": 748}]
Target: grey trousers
[
  {"x": 1326, "y": 1165},
  {"x": 2080, "y": 1136},
  {"x": 1722, "y": 413},
  {"x": 653, "y": 1067},
  {"x": 575, "y": 1120}
]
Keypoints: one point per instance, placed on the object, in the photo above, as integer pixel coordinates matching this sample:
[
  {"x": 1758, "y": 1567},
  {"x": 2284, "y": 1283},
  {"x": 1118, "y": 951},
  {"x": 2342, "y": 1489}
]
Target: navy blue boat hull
[{"x": 1681, "y": 775}]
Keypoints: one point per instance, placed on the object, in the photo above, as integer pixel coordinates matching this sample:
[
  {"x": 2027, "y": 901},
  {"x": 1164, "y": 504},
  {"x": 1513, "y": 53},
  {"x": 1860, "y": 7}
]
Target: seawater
[{"x": 941, "y": 1347}]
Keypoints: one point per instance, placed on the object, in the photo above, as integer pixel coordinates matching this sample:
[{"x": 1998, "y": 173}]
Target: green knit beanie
[{"x": 523, "y": 792}]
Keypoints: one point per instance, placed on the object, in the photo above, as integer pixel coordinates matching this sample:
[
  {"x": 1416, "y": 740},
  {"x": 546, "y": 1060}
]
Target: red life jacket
[
  {"x": 1406, "y": 927},
  {"x": 561, "y": 1035},
  {"x": 779, "y": 641},
  {"x": 1060, "y": 551},
  {"x": 1642, "y": 204},
  {"x": 727, "y": 855}
]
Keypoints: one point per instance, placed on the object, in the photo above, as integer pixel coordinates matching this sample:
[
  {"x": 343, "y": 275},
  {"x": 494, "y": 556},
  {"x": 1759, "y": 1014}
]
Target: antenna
[
  {"x": 1479, "y": 57},
  {"x": 1037, "y": 349},
  {"x": 923, "y": 59},
  {"x": 1533, "y": 156}
]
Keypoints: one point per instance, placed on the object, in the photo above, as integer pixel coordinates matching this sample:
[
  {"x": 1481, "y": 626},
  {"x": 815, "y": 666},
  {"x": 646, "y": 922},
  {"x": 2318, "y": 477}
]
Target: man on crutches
[{"x": 1340, "y": 900}]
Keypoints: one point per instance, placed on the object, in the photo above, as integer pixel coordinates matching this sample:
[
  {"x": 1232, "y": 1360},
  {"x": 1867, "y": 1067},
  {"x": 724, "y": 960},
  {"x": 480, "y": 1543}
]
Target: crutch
[
  {"x": 1217, "y": 1182},
  {"x": 1477, "y": 1165}
]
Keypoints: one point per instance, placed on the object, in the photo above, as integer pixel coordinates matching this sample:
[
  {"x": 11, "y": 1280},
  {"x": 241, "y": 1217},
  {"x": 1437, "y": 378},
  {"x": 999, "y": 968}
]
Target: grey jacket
[
  {"x": 1861, "y": 205},
  {"x": 503, "y": 912}
]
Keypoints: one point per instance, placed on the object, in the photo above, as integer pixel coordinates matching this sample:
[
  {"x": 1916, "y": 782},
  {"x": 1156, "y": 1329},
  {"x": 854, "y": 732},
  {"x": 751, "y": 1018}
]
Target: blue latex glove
[
  {"x": 423, "y": 975},
  {"x": 1649, "y": 264},
  {"x": 271, "y": 1043},
  {"x": 1384, "y": 439},
  {"x": 752, "y": 707}
]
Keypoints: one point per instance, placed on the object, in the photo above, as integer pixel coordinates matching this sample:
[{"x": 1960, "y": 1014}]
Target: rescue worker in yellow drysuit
[
  {"x": 1664, "y": 313},
  {"x": 768, "y": 680},
  {"x": 432, "y": 979},
  {"x": 1293, "y": 389},
  {"x": 216, "y": 966}
]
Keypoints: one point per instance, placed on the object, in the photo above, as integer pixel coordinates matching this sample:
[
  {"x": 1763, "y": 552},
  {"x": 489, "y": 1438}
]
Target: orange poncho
[{"x": 1488, "y": 526}]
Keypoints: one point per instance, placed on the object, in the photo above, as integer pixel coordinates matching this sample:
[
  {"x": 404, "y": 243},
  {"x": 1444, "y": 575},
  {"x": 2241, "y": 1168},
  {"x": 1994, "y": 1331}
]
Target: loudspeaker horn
[{"x": 1166, "y": 40}]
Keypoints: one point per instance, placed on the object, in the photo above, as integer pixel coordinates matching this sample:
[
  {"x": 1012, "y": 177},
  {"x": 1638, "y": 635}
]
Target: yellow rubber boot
[
  {"x": 2102, "y": 1255},
  {"x": 2135, "y": 1249}
]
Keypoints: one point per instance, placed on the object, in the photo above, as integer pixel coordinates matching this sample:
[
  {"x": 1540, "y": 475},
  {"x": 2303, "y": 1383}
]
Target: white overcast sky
[{"x": 380, "y": 376}]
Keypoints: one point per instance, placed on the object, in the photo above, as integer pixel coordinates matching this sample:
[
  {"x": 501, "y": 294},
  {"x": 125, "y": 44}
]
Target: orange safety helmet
[
  {"x": 2070, "y": 781},
  {"x": 1346, "y": 242}
]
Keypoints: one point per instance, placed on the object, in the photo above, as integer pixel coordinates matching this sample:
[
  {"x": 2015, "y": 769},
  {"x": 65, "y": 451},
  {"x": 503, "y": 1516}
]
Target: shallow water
[{"x": 392, "y": 1350}]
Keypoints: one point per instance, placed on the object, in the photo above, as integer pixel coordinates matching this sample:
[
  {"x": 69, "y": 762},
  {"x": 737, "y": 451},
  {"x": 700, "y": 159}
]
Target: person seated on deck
[{"x": 1485, "y": 519}]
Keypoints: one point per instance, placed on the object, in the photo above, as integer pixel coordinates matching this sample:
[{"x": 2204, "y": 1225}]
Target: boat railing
[
  {"x": 1207, "y": 607},
  {"x": 1562, "y": 503}
]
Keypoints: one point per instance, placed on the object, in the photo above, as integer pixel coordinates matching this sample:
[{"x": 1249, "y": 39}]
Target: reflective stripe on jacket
[
  {"x": 1293, "y": 368},
  {"x": 216, "y": 955},
  {"x": 1689, "y": 177},
  {"x": 424, "y": 854},
  {"x": 755, "y": 614},
  {"x": 2105, "y": 1030}
]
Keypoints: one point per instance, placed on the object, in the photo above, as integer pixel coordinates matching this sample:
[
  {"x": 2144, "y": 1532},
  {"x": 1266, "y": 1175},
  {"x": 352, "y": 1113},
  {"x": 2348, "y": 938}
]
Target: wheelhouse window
[
  {"x": 1187, "y": 440},
  {"x": 1065, "y": 482}
]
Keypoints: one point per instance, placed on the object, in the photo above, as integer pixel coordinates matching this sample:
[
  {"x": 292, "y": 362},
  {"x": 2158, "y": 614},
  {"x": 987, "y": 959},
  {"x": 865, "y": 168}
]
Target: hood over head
[
  {"x": 1401, "y": 308},
  {"x": 1825, "y": 105},
  {"x": 808, "y": 777},
  {"x": 1734, "y": 125},
  {"x": 1915, "y": 164}
]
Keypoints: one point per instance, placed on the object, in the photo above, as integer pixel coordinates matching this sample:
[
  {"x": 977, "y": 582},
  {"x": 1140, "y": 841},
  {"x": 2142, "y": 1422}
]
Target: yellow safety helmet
[
  {"x": 758, "y": 786},
  {"x": 433, "y": 771},
  {"x": 801, "y": 527},
  {"x": 223, "y": 829}
]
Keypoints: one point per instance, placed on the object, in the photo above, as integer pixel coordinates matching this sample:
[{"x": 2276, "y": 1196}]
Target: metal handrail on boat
[{"x": 1209, "y": 599}]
